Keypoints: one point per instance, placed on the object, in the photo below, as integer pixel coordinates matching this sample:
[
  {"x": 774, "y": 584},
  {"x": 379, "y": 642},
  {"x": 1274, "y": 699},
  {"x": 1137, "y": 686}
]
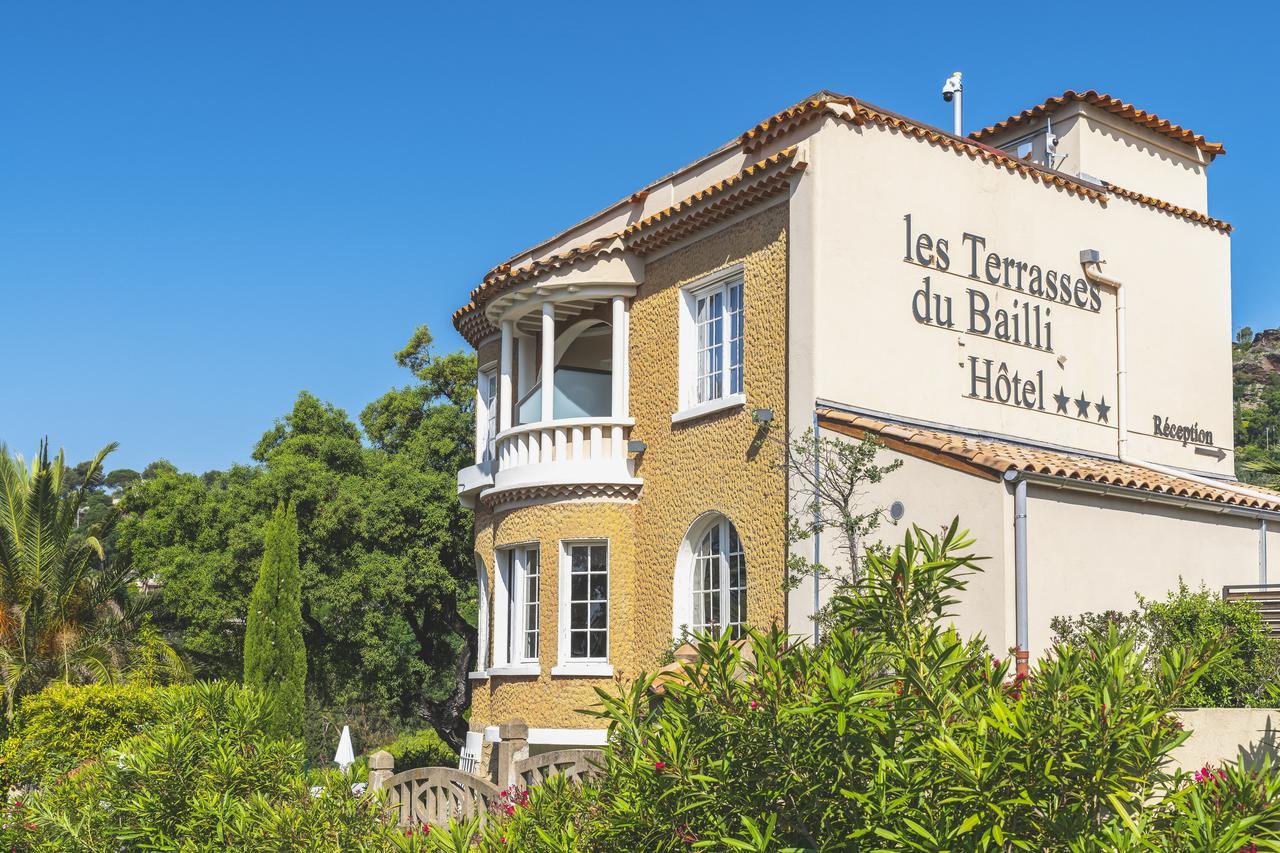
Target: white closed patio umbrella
[{"x": 345, "y": 756}]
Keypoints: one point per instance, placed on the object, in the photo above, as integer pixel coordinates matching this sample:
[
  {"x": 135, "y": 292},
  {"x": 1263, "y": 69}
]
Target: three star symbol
[{"x": 1082, "y": 406}]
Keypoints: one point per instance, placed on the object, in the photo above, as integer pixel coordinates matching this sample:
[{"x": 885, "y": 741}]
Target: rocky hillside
[{"x": 1256, "y": 374}]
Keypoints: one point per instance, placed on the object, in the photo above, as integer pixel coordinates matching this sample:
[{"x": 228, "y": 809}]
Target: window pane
[
  {"x": 589, "y": 601},
  {"x": 532, "y": 604},
  {"x": 736, "y": 582},
  {"x": 735, "y": 338},
  {"x": 710, "y": 355},
  {"x": 706, "y": 581}
]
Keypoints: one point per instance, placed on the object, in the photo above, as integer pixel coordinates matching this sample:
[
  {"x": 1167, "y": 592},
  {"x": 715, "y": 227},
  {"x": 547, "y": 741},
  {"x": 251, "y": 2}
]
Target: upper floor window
[
  {"x": 711, "y": 580},
  {"x": 711, "y": 343},
  {"x": 487, "y": 417}
]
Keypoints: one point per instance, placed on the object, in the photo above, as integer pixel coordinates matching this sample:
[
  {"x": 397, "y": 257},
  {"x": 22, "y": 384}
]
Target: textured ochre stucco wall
[
  {"x": 721, "y": 462},
  {"x": 546, "y": 700}
]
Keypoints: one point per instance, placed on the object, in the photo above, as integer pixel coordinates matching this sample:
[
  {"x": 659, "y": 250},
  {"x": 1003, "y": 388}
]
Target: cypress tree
[{"x": 275, "y": 658}]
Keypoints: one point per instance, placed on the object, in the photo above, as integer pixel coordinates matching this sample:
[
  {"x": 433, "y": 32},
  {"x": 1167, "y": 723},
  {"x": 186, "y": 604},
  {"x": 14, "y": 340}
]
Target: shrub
[
  {"x": 208, "y": 775},
  {"x": 1242, "y": 676},
  {"x": 893, "y": 733},
  {"x": 422, "y": 748},
  {"x": 63, "y": 725}
]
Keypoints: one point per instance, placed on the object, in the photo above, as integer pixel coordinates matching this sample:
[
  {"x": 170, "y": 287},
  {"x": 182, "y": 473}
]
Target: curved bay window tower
[{"x": 554, "y": 404}]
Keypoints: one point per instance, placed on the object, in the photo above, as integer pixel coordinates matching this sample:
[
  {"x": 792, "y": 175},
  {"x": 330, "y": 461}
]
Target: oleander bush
[
  {"x": 1245, "y": 674},
  {"x": 894, "y": 733},
  {"x": 65, "y": 725}
]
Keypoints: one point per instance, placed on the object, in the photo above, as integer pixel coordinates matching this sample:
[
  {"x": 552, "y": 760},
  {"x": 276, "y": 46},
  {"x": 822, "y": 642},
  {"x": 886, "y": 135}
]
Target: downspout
[
  {"x": 1091, "y": 260},
  {"x": 1262, "y": 552},
  {"x": 1021, "y": 619},
  {"x": 817, "y": 525}
]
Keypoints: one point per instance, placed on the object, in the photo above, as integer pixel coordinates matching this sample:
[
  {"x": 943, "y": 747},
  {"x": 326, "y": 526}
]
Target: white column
[
  {"x": 548, "y": 360},
  {"x": 504, "y": 376},
  {"x": 619, "y": 355}
]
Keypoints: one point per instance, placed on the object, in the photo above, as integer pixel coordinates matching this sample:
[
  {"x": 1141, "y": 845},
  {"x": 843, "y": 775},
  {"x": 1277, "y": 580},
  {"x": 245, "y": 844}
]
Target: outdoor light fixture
[
  {"x": 636, "y": 447},
  {"x": 761, "y": 416}
]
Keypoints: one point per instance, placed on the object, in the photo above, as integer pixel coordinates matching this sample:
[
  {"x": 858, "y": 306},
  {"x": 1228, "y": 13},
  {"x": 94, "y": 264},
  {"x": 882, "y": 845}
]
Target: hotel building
[{"x": 1034, "y": 318}]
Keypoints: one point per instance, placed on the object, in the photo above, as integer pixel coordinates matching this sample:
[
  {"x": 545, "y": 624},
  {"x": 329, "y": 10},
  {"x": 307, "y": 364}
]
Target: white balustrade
[{"x": 564, "y": 452}]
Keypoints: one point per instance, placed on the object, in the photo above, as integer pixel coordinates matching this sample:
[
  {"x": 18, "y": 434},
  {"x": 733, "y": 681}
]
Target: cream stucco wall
[
  {"x": 932, "y": 496},
  {"x": 868, "y": 349},
  {"x": 1089, "y": 552}
]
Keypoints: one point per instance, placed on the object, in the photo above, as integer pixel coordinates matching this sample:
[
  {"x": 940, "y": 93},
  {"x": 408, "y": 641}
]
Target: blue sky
[{"x": 206, "y": 207}]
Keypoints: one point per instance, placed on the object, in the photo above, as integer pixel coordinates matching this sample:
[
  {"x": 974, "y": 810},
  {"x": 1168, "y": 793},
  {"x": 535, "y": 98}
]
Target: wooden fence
[
  {"x": 1267, "y": 597},
  {"x": 436, "y": 795}
]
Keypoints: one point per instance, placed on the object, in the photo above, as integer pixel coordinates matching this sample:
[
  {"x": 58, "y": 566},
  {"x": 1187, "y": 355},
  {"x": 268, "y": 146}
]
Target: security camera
[{"x": 951, "y": 87}]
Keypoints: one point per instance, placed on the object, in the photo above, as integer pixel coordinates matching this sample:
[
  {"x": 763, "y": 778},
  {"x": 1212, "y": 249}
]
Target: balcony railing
[{"x": 564, "y": 451}]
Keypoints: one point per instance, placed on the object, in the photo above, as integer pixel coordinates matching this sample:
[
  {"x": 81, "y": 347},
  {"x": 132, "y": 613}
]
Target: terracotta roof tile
[
  {"x": 714, "y": 203},
  {"x": 1166, "y": 207},
  {"x": 1153, "y": 122},
  {"x": 768, "y": 177},
  {"x": 993, "y": 458}
]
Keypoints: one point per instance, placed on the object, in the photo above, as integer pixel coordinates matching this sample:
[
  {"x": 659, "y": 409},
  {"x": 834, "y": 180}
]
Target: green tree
[
  {"x": 388, "y": 578},
  {"x": 68, "y": 610},
  {"x": 1244, "y": 335},
  {"x": 275, "y": 658}
]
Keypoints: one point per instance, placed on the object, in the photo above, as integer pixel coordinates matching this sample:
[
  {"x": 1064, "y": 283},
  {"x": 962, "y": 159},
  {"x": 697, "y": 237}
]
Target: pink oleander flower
[{"x": 659, "y": 766}]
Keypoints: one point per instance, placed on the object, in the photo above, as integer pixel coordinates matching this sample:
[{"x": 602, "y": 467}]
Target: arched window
[{"x": 711, "y": 579}]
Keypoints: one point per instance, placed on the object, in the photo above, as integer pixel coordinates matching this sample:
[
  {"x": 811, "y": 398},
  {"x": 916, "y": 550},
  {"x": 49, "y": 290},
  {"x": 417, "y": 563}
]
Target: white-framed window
[
  {"x": 517, "y": 611},
  {"x": 711, "y": 579},
  {"x": 531, "y": 604},
  {"x": 487, "y": 412},
  {"x": 712, "y": 338},
  {"x": 482, "y": 619},
  {"x": 584, "y": 609}
]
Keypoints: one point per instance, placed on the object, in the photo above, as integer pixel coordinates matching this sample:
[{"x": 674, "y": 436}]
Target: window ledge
[
  {"x": 516, "y": 669},
  {"x": 593, "y": 669},
  {"x": 732, "y": 401},
  {"x": 478, "y": 675}
]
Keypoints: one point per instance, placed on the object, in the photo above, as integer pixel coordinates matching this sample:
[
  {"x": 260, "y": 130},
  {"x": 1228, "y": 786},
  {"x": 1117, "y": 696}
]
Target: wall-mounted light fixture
[
  {"x": 761, "y": 416},
  {"x": 636, "y": 447}
]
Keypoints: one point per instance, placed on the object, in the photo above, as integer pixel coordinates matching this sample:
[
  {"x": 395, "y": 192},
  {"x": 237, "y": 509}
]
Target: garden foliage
[
  {"x": 422, "y": 748},
  {"x": 895, "y": 734},
  {"x": 69, "y": 610},
  {"x": 209, "y": 776},
  {"x": 1245, "y": 674},
  {"x": 63, "y": 726}
]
